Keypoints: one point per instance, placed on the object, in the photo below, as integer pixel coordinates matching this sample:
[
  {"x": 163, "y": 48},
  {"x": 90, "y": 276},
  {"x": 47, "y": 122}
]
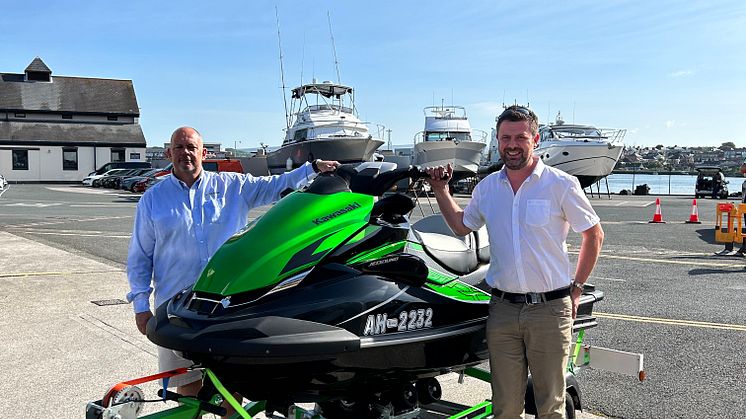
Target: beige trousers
[{"x": 524, "y": 337}]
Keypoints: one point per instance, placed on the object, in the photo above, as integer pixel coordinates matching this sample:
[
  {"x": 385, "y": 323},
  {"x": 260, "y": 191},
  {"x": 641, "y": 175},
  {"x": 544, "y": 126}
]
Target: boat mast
[
  {"x": 334, "y": 48},
  {"x": 282, "y": 70}
]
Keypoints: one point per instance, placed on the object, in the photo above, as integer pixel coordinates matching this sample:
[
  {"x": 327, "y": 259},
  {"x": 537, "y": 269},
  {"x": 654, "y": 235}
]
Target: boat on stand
[
  {"x": 323, "y": 124},
  {"x": 584, "y": 151},
  {"x": 449, "y": 138}
]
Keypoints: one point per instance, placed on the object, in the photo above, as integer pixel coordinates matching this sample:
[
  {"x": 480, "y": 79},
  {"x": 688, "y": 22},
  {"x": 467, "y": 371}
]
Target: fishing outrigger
[{"x": 334, "y": 298}]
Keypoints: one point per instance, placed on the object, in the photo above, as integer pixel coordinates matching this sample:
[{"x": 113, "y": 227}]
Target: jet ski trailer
[{"x": 126, "y": 400}]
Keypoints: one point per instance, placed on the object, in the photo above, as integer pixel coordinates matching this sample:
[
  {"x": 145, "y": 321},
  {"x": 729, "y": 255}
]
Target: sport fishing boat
[
  {"x": 323, "y": 124},
  {"x": 449, "y": 138},
  {"x": 584, "y": 151}
]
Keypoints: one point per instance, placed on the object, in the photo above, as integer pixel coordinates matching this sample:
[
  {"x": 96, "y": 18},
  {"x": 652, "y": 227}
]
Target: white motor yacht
[
  {"x": 448, "y": 138},
  {"x": 323, "y": 124},
  {"x": 584, "y": 151}
]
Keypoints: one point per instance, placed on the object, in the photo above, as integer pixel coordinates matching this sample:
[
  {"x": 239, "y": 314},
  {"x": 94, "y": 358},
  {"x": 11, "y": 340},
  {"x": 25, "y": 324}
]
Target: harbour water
[{"x": 662, "y": 184}]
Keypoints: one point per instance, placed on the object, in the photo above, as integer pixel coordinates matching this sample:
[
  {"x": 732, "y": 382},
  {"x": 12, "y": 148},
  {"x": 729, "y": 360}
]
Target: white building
[{"x": 59, "y": 129}]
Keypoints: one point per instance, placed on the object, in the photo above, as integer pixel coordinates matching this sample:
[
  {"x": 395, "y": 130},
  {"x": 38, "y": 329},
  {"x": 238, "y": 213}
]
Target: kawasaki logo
[{"x": 336, "y": 213}]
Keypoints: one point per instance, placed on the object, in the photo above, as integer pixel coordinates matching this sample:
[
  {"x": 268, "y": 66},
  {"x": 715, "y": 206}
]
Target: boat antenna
[
  {"x": 303, "y": 58},
  {"x": 282, "y": 69},
  {"x": 334, "y": 48}
]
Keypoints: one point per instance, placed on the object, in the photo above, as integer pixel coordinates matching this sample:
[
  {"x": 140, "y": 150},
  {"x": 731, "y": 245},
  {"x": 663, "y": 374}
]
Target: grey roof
[
  {"x": 68, "y": 94},
  {"x": 38, "y": 65},
  {"x": 51, "y": 133}
]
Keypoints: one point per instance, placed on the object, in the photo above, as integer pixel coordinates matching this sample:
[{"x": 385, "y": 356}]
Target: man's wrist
[
  {"x": 315, "y": 165},
  {"x": 577, "y": 285}
]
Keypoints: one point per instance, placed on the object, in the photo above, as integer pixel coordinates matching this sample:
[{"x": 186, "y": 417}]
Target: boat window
[
  {"x": 329, "y": 108},
  {"x": 578, "y": 133},
  {"x": 454, "y": 136},
  {"x": 300, "y": 135}
]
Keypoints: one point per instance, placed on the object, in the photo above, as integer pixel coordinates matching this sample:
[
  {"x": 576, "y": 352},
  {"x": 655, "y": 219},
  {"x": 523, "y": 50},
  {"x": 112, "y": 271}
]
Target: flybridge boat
[
  {"x": 448, "y": 138},
  {"x": 323, "y": 124},
  {"x": 584, "y": 151}
]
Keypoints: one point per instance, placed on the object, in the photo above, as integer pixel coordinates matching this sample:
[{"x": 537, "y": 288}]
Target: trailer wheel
[
  {"x": 345, "y": 409},
  {"x": 569, "y": 406}
]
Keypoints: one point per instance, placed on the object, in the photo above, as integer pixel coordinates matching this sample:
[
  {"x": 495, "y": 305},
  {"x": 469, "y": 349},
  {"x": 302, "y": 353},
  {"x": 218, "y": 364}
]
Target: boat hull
[
  {"x": 588, "y": 161},
  {"x": 341, "y": 149},
  {"x": 464, "y": 156}
]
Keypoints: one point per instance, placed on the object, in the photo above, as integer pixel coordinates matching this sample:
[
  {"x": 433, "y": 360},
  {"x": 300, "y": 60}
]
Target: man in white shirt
[
  {"x": 182, "y": 221},
  {"x": 528, "y": 208}
]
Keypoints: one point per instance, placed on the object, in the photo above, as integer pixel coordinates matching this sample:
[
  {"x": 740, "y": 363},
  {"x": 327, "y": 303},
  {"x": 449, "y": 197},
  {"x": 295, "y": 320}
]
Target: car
[
  {"x": 94, "y": 180},
  {"x": 708, "y": 178},
  {"x": 222, "y": 165},
  {"x": 137, "y": 183},
  {"x": 121, "y": 165}
]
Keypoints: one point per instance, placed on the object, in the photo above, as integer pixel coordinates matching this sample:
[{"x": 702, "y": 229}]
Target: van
[
  {"x": 222, "y": 165},
  {"x": 708, "y": 178},
  {"x": 121, "y": 165}
]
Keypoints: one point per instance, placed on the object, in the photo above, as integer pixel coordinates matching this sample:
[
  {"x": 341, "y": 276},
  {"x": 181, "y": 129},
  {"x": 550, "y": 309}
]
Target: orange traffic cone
[
  {"x": 658, "y": 216},
  {"x": 694, "y": 217}
]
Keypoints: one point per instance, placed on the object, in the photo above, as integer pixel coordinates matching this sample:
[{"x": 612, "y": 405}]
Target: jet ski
[{"x": 333, "y": 296}]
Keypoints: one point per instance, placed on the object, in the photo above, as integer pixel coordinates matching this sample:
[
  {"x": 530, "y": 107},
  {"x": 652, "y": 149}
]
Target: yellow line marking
[
  {"x": 60, "y": 273},
  {"x": 690, "y": 323},
  {"x": 677, "y": 262}
]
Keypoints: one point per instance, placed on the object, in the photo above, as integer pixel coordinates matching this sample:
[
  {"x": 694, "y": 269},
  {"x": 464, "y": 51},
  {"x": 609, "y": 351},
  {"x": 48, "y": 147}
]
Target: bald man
[{"x": 181, "y": 222}]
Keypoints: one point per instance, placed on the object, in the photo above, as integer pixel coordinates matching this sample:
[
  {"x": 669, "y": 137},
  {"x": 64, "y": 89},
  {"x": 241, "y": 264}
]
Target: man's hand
[
  {"x": 439, "y": 177},
  {"x": 142, "y": 320},
  {"x": 575, "y": 294},
  {"x": 327, "y": 165}
]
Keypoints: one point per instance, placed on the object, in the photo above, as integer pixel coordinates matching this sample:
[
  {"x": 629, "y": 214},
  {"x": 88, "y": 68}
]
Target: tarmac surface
[{"x": 667, "y": 296}]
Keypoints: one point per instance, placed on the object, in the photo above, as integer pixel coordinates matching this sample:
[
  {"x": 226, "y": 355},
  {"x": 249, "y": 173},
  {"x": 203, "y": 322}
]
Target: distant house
[{"x": 59, "y": 128}]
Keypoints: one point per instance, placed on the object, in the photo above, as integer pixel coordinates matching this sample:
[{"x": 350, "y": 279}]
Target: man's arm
[
  {"x": 140, "y": 265},
  {"x": 590, "y": 248},
  {"x": 452, "y": 213}
]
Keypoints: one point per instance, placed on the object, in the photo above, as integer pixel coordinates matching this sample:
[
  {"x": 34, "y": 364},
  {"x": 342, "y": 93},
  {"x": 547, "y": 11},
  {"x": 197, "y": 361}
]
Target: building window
[
  {"x": 20, "y": 159},
  {"x": 117, "y": 154},
  {"x": 112, "y": 118},
  {"x": 20, "y": 115},
  {"x": 69, "y": 159},
  {"x": 67, "y": 116},
  {"x": 134, "y": 156}
]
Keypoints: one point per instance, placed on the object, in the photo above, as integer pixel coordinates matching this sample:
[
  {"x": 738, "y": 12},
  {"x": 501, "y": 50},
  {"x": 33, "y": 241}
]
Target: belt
[{"x": 531, "y": 297}]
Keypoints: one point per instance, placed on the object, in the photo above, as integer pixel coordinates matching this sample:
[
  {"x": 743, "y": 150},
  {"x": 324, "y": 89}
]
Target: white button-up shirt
[
  {"x": 177, "y": 229},
  {"x": 528, "y": 229}
]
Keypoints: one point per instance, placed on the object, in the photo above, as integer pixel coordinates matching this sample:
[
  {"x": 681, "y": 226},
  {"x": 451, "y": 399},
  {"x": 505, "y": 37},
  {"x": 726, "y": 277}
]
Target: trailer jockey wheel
[
  {"x": 125, "y": 404},
  {"x": 429, "y": 390},
  {"x": 569, "y": 406}
]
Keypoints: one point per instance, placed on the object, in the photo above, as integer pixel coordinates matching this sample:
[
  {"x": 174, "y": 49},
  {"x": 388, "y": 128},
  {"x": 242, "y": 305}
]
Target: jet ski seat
[{"x": 459, "y": 254}]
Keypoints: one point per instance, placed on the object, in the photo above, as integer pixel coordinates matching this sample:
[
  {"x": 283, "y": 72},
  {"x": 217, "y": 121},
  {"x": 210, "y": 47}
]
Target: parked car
[
  {"x": 94, "y": 180},
  {"x": 222, "y": 165},
  {"x": 708, "y": 179},
  {"x": 112, "y": 181},
  {"x": 131, "y": 183},
  {"x": 121, "y": 165}
]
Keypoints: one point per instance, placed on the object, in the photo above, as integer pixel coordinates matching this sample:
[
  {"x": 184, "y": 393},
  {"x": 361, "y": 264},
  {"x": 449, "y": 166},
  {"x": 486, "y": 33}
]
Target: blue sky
[{"x": 670, "y": 72}]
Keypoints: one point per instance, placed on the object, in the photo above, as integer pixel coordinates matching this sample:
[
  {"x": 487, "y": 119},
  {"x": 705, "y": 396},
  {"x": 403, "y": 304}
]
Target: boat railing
[
  {"x": 610, "y": 135},
  {"x": 327, "y": 107}
]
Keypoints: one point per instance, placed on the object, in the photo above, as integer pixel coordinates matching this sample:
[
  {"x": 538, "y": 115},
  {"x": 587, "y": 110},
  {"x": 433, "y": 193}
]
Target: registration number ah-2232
[{"x": 406, "y": 321}]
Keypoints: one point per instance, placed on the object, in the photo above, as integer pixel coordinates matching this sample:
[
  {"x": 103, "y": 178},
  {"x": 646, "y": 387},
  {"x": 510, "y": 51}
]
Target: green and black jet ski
[{"x": 333, "y": 296}]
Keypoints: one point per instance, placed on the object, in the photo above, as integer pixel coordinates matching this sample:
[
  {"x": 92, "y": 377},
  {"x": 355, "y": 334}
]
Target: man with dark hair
[
  {"x": 528, "y": 209},
  {"x": 182, "y": 221}
]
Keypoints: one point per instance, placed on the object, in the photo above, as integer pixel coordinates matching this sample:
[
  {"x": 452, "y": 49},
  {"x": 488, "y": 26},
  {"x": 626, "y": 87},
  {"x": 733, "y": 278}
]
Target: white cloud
[
  {"x": 681, "y": 73},
  {"x": 670, "y": 124}
]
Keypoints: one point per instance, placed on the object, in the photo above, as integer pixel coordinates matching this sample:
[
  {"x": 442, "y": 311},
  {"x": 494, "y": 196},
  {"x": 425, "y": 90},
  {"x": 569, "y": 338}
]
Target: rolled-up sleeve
[
  {"x": 263, "y": 190},
  {"x": 140, "y": 257}
]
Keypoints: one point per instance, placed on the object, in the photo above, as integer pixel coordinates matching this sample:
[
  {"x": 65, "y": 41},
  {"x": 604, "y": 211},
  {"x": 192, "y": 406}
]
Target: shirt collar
[
  {"x": 538, "y": 170},
  {"x": 181, "y": 184}
]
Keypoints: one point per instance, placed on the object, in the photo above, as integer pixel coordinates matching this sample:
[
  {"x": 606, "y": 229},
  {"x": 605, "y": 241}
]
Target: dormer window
[{"x": 38, "y": 71}]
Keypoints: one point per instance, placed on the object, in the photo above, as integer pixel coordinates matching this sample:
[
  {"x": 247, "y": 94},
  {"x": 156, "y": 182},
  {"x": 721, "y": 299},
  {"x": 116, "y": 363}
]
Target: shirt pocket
[{"x": 537, "y": 212}]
